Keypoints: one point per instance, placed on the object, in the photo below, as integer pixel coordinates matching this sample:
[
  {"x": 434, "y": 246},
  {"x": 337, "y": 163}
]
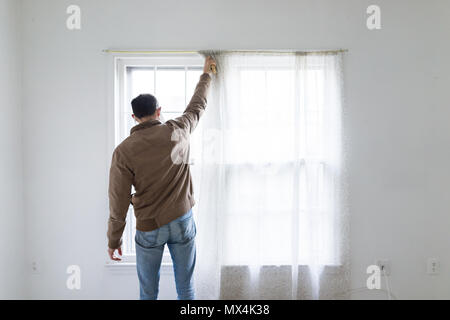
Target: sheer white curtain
[{"x": 271, "y": 214}]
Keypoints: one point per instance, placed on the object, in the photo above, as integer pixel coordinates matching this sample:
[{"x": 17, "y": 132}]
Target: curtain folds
[{"x": 272, "y": 218}]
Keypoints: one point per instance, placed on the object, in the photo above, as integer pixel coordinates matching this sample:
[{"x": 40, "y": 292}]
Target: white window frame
[{"x": 121, "y": 105}]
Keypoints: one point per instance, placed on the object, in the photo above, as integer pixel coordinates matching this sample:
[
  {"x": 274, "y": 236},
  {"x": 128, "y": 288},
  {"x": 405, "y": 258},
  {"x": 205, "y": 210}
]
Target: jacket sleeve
[
  {"x": 190, "y": 117},
  {"x": 120, "y": 181}
]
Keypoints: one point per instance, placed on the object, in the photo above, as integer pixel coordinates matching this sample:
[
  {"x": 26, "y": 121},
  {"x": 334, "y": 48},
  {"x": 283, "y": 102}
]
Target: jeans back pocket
[
  {"x": 147, "y": 239},
  {"x": 187, "y": 229}
]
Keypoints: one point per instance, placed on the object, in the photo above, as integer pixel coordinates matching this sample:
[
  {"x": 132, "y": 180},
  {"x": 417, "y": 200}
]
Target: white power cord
[{"x": 388, "y": 289}]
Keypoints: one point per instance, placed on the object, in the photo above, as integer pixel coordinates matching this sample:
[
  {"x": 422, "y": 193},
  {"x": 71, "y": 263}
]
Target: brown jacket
[{"x": 149, "y": 159}]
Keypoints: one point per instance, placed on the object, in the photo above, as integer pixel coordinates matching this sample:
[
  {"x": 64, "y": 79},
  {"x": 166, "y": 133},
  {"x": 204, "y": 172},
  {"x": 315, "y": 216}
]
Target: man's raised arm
[{"x": 190, "y": 117}]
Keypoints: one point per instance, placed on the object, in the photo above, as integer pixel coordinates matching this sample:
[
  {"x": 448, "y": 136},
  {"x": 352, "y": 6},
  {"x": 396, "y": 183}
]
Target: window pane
[
  {"x": 133, "y": 230},
  {"x": 264, "y": 93},
  {"x": 142, "y": 80},
  {"x": 129, "y": 122},
  {"x": 253, "y": 109},
  {"x": 170, "y": 115},
  {"x": 192, "y": 78},
  {"x": 248, "y": 210},
  {"x": 170, "y": 89},
  {"x": 280, "y": 96}
]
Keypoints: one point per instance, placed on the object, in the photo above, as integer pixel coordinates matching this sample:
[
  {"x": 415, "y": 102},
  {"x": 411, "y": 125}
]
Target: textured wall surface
[{"x": 12, "y": 232}]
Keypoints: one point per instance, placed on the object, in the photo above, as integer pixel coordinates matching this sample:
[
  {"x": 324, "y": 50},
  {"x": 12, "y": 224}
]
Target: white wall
[
  {"x": 12, "y": 227},
  {"x": 396, "y": 115}
]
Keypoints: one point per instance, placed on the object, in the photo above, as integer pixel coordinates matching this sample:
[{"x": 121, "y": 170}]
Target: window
[
  {"x": 262, "y": 163},
  {"x": 172, "y": 80},
  {"x": 279, "y": 144}
]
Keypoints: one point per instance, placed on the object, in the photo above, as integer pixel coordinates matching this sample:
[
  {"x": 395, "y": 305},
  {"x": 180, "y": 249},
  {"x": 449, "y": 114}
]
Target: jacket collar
[{"x": 143, "y": 125}]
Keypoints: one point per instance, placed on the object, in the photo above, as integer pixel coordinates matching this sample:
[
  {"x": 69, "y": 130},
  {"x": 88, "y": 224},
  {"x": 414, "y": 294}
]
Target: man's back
[
  {"x": 161, "y": 184},
  {"x": 153, "y": 159}
]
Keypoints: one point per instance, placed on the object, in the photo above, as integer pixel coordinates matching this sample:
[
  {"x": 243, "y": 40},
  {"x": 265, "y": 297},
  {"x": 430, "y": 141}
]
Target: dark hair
[{"x": 144, "y": 105}]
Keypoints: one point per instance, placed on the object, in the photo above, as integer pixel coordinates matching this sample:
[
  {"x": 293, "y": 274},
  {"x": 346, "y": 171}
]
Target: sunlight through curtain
[{"x": 271, "y": 216}]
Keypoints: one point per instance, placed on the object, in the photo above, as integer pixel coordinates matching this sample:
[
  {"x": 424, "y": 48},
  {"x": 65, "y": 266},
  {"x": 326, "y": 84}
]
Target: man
[{"x": 153, "y": 160}]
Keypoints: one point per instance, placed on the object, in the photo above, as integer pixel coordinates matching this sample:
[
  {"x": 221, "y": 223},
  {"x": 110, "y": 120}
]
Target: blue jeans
[{"x": 179, "y": 235}]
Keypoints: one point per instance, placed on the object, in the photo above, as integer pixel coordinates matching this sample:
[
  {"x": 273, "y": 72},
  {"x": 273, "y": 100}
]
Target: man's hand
[
  {"x": 112, "y": 256},
  {"x": 210, "y": 63}
]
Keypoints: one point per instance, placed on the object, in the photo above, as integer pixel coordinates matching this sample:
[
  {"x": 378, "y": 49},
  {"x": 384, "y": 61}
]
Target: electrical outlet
[
  {"x": 385, "y": 267},
  {"x": 433, "y": 266}
]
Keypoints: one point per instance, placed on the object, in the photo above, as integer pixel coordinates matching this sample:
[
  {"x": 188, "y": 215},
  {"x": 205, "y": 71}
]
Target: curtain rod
[{"x": 226, "y": 51}]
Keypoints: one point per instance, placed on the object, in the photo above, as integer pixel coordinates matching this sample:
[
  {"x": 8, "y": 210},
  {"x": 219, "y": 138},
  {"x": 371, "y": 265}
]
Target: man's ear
[{"x": 158, "y": 111}]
